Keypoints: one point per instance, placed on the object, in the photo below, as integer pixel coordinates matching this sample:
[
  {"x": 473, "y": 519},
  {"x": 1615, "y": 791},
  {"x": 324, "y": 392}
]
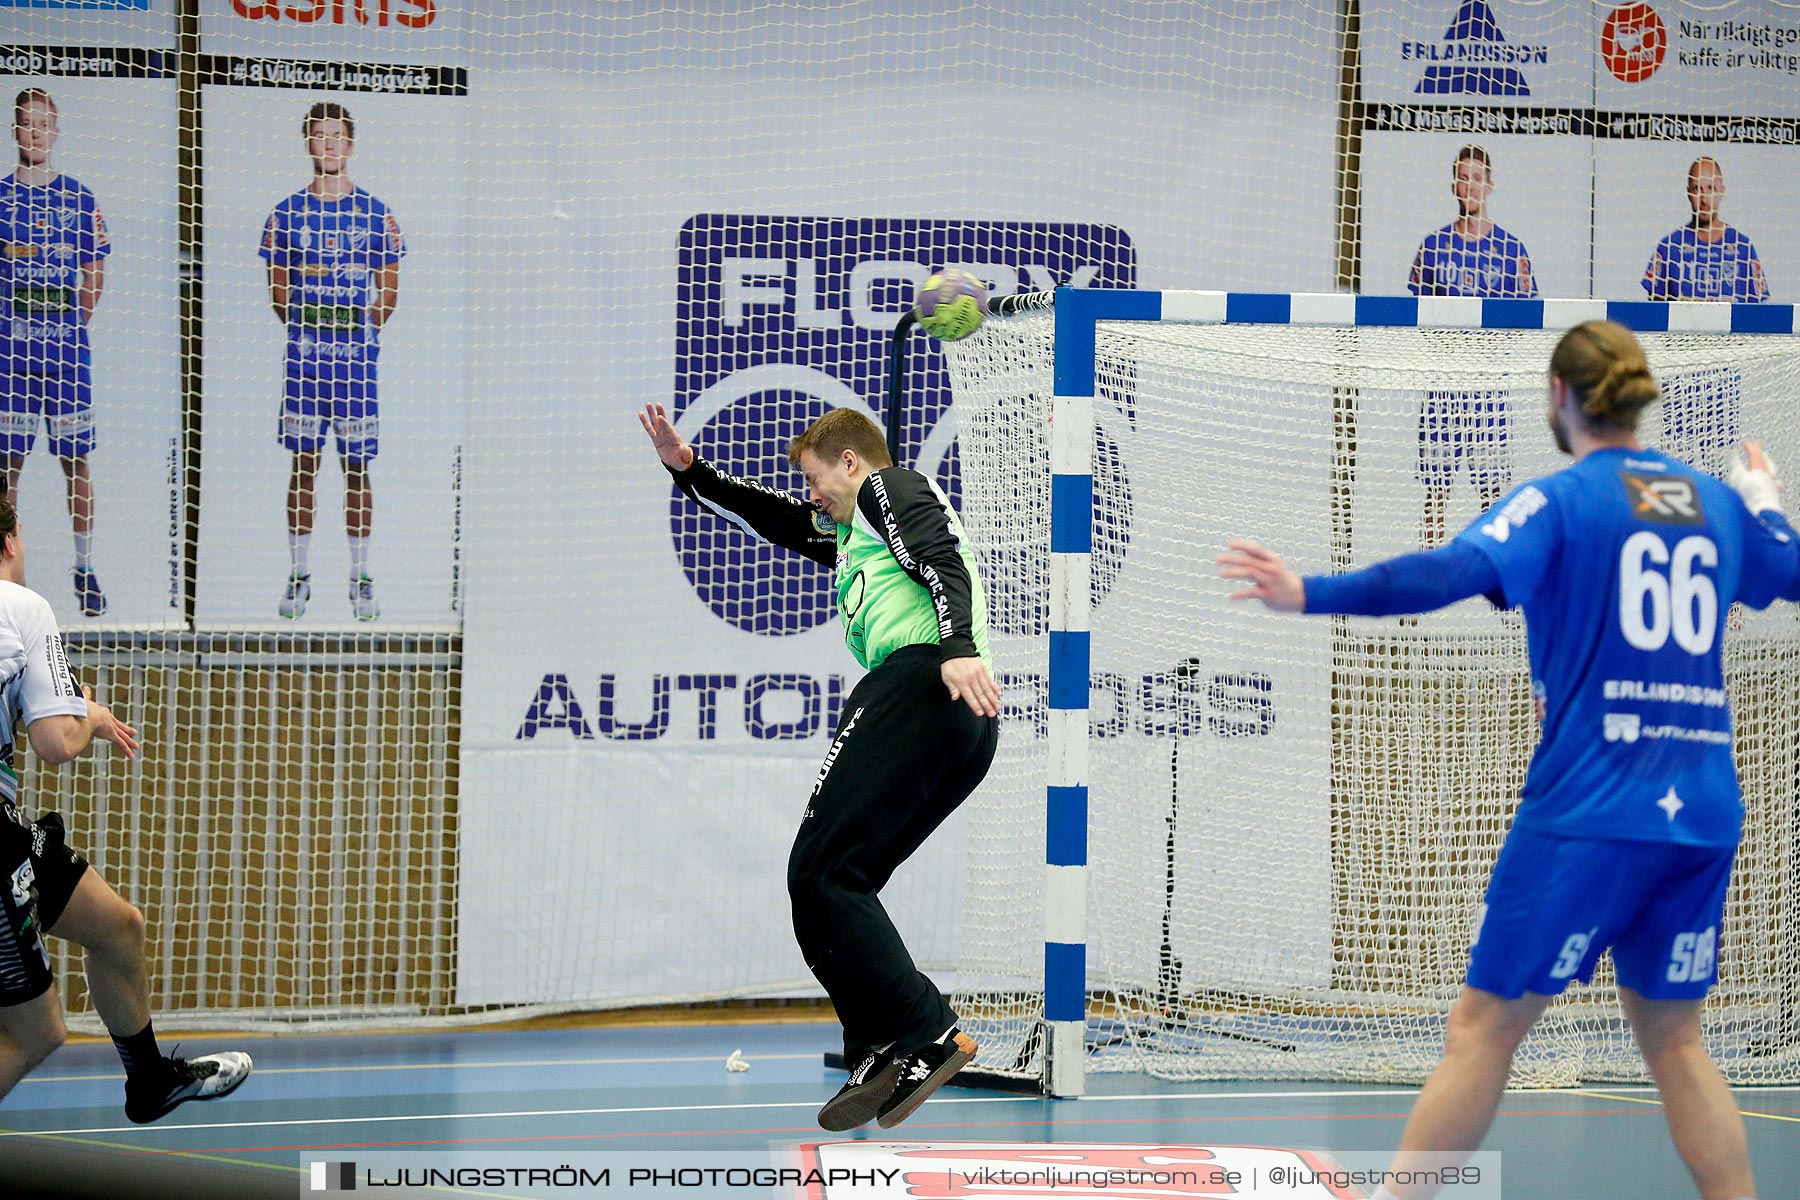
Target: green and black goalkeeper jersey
[{"x": 905, "y": 574}]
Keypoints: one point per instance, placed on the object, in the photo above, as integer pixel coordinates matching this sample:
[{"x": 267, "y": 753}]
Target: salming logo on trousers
[{"x": 837, "y": 744}]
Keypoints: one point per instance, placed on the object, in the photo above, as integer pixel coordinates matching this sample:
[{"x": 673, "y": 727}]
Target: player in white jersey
[
  {"x": 49, "y": 888},
  {"x": 1625, "y": 564}
]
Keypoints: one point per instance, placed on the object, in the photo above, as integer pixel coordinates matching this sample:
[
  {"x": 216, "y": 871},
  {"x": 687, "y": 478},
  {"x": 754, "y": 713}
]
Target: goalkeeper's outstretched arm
[{"x": 776, "y": 517}]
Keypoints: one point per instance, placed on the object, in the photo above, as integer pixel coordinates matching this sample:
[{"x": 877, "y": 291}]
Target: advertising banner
[
  {"x": 90, "y": 418},
  {"x": 336, "y": 373},
  {"x": 1622, "y": 103}
]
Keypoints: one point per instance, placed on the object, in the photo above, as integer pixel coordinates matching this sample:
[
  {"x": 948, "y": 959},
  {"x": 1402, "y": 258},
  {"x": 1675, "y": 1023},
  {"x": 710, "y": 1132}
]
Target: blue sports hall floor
[{"x": 663, "y": 1096}]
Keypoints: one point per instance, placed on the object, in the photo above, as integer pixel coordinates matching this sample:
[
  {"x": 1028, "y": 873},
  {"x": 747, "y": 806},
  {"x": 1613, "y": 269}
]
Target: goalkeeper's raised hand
[
  {"x": 1755, "y": 480},
  {"x": 674, "y": 451}
]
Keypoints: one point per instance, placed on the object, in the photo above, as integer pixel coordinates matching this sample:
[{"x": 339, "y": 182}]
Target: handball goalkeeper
[{"x": 917, "y": 734}]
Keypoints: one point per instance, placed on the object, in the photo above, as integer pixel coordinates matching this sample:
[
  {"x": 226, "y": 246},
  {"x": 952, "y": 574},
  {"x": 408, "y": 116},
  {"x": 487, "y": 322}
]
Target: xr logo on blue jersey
[{"x": 1666, "y": 499}]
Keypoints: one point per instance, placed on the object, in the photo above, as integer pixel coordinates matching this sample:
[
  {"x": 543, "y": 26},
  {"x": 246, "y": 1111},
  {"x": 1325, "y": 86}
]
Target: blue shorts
[
  {"x": 64, "y": 402},
  {"x": 344, "y": 406},
  {"x": 1555, "y": 904},
  {"x": 1466, "y": 428}
]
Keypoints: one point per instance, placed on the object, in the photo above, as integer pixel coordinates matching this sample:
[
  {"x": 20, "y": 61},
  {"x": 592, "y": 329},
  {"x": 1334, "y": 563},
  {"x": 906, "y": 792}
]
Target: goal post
[{"x": 1259, "y": 842}]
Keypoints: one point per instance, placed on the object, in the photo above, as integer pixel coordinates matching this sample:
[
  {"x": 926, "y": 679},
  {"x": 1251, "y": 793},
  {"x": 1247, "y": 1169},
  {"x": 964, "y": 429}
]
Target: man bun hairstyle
[
  {"x": 328, "y": 110},
  {"x": 839, "y": 430},
  {"x": 1602, "y": 362}
]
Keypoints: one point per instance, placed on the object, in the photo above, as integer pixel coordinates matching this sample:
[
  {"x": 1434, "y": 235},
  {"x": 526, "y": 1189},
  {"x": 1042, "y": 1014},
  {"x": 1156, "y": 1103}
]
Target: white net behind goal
[{"x": 1291, "y": 821}]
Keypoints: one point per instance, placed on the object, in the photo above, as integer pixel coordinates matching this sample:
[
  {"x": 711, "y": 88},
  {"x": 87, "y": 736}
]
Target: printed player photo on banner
[
  {"x": 90, "y": 399},
  {"x": 1454, "y": 214},
  {"x": 334, "y": 372},
  {"x": 1694, "y": 221},
  {"x": 1461, "y": 210}
]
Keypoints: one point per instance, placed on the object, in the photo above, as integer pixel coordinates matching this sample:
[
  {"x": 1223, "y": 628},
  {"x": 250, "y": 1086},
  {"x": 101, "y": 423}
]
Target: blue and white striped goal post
[{"x": 1077, "y": 312}]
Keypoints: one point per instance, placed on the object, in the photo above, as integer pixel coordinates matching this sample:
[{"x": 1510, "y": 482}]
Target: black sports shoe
[
  {"x": 182, "y": 1079},
  {"x": 924, "y": 1071},
  {"x": 857, "y": 1102}
]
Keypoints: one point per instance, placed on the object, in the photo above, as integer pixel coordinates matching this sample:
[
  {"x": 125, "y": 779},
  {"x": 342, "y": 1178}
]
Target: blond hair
[
  {"x": 839, "y": 430},
  {"x": 1603, "y": 364}
]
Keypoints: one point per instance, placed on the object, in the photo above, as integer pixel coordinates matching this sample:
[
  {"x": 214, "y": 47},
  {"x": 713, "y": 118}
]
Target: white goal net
[{"x": 1291, "y": 821}]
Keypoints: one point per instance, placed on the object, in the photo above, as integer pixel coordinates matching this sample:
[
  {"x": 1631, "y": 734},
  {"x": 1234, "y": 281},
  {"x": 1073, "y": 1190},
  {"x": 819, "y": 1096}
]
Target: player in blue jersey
[
  {"x": 1471, "y": 256},
  {"x": 1625, "y": 565},
  {"x": 1706, "y": 259},
  {"x": 54, "y": 243},
  {"x": 334, "y": 255}
]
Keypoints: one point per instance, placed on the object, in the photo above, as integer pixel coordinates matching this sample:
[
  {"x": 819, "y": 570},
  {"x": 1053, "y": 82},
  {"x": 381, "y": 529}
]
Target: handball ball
[{"x": 951, "y": 305}]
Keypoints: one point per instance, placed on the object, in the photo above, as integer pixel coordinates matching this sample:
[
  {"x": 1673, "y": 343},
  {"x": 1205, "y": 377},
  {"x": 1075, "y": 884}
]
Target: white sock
[
  {"x": 359, "y": 558},
  {"x": 84, "y": 550},
  {"x": 298, "y": 545}
]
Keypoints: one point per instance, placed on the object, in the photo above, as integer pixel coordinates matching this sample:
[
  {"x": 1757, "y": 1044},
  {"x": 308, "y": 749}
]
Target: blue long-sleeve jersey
[{"x": 1625, "y": 565}]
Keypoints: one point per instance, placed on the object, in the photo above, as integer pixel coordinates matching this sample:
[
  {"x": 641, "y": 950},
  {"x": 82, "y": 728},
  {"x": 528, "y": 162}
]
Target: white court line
[
  {"x": 349, "y": 1068},
  {"x": 1656, "y": 1102},
  {"x": 659, "y": 1108},
  {"x": 802, "y": 1104}
]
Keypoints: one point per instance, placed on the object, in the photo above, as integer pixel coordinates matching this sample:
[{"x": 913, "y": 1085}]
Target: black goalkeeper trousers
[{"x": 904, "y": 757}]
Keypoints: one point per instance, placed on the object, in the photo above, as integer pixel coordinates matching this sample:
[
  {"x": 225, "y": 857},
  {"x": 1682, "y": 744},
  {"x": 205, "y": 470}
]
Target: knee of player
[
  {"x": 829, "y": 887},
  {"x": 126, "y": 930},
  {"x": 821, "y": 883},
  {"x": 131, "y": 924},
  {"x": 1485, "y": 1027},
  {"x": 42, "y": 1038},
  {"x": 1660, "y": 1038},
  {"x": 51, "y": 1042},
  {"x": 804, "y": 884}
]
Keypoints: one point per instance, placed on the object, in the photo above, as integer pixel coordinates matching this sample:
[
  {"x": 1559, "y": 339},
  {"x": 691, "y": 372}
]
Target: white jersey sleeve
[{"x": 47, "y": 687}]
